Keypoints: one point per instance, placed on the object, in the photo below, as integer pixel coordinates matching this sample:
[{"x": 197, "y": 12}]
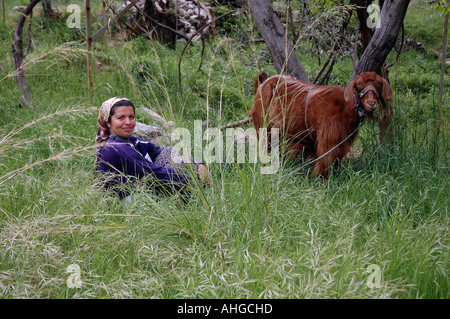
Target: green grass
[{"x": 283, "y": 235}]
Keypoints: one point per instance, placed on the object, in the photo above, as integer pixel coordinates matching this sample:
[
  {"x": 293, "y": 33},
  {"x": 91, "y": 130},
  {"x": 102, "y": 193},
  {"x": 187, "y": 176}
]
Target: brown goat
[{"x": 317, "y": 121}]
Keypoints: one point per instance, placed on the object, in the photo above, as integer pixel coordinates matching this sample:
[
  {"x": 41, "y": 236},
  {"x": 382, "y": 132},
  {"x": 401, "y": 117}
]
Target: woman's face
[{"x": 122, "y": 122}]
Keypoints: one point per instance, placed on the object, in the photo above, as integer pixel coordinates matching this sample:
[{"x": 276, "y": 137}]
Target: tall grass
[{"x": 283, "y": 235}]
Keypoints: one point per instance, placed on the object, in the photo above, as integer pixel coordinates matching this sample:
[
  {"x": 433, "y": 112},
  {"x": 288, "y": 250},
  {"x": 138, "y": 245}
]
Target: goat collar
[{"x": 358, "y": 107}]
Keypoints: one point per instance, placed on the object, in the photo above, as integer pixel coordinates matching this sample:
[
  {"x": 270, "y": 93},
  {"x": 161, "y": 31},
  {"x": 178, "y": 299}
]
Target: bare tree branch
[
  {"x": 30, "y": 44},
  {"x": 121, "y": 13},
  {"x": 18, "y": 55},
  {"x": 178, "y": 33},
  {"x": 330, "y": 55},
  {"x": 236, "y": 124}
]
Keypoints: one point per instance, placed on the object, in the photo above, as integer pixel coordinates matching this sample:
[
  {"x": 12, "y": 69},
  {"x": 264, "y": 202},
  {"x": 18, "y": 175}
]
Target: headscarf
[{"x": 103, "y": 117}]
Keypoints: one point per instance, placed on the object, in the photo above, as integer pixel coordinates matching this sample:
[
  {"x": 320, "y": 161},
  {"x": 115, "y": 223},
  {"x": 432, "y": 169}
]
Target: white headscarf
[{"x": 103, "y": 116}]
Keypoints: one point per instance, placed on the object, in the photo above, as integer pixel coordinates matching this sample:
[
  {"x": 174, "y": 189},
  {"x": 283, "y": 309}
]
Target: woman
[{"x": 124, "y": 158}]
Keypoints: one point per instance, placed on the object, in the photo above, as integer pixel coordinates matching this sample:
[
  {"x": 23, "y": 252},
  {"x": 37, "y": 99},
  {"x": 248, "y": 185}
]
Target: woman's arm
[{"x": 120, "y": 157}]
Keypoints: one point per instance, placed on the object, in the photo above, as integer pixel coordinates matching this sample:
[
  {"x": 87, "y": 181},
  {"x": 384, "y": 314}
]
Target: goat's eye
[{"x": 359, "y": 86}]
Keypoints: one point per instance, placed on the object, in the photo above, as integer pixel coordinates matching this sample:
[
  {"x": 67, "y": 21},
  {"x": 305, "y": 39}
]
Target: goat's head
[{"x": 366, "y": 89}]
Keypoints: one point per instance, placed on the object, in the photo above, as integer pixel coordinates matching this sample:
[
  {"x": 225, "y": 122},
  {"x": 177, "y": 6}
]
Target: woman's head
[{"x": 116, "y": 117}]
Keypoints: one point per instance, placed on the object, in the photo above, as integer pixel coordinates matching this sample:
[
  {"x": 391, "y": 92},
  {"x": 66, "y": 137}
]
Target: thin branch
[
  {"x": 146, "y": 32},
  {"x": 327, "y": 75},
  {"x": 106, "y": 26},
  {"x": 236, "y": 124},
  {"x": 29, "y": 44},
  {"x": 130, "y": 27},
  {"x": 202, "y": 55},
  {"x": 330, "y": 55},
  {"x": 181, "y": 34}
]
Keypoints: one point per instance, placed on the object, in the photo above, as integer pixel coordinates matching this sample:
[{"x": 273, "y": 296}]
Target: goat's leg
[
  {"x": 294, "y": 148},
  {"x": 327, "y": 149},
  {"x": 323, "y": 164}
]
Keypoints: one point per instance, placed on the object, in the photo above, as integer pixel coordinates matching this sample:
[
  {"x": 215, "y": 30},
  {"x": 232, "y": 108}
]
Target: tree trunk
[
  {"x": 375, "y": 54},
  {"x": 384, "y": 37},
  {"x": 276, "y": 39},
  {"x": 17, "y": 52}
]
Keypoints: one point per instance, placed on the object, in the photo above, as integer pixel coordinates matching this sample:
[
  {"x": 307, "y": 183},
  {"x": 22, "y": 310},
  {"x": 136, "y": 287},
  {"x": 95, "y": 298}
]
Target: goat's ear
[
  {"x": 387, "y": 89},
  {"x": 262, "y": 77},
  {"x": 259, "y": 80},
  {"x": 348, "y": 92}
]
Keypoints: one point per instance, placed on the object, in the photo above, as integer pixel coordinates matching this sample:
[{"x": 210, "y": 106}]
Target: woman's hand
[{"x": 204, "y": 175}]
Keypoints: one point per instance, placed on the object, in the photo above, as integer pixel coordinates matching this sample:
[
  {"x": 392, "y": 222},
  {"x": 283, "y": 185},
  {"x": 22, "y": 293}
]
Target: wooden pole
[
  {"x": 441, "y": 84},
  {"x": 444, "y": 53},
  {"x": 3, "y": 10},
  {"x": 89, "y": 48},
  {"x": 105, "y": 39}
]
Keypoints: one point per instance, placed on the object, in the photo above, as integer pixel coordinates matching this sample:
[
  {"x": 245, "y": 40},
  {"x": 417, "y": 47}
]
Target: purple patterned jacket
[{"x": 126, "y": 160}]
